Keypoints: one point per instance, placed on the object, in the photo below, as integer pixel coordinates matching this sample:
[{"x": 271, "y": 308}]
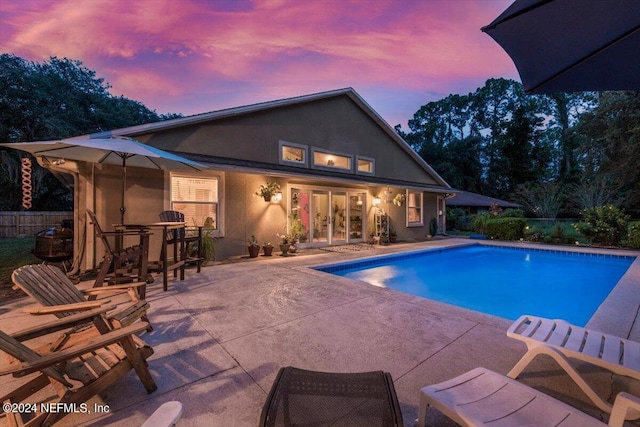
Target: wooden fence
[{"x": 27, "y": 223}]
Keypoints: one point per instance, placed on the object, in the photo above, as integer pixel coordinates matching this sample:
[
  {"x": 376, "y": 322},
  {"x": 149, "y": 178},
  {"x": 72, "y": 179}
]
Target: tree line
[
  {"x": 58, "y": 98},
  {"x": 555, "y": 154}
]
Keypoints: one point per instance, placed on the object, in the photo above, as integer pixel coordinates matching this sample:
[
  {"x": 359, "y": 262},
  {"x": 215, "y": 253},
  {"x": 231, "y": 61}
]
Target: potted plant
[
  {"x": 399, "y": 199},
  {"x": 267, "y": 191},
  {"x": 384, "y": 239},
  {"x": 208, "y": 241},
  {"x": 267, "y": 248},
  {"x": 285, "y": 243},
  {"x": 298, "y": 230},
  {"x": 393, "y": 235},
  {"x": 254, "y": 247}
]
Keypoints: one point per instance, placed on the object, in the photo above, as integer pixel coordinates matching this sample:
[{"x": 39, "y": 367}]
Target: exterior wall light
[
  {"x": 376, "y": 201},
  {"x": 277, "y": 197}
]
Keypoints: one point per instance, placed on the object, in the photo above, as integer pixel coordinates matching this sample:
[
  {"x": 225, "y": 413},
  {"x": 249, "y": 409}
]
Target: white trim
[
  {"x": 313, "y": 164},
  {"x": 330, "y": 191},
  {"x": 220, "y": 176},
  {"x": 305, "y": 154},
  {"x": 421, "y": 207},
  {"x": 367, "y": 159}
]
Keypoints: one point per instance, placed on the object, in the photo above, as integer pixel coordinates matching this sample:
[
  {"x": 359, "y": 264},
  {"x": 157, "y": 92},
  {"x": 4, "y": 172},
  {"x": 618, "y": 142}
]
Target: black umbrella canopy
[{"x": 572, "y": 45}]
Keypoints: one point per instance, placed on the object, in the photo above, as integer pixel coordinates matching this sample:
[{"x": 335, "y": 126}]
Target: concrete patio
[{"x": 221, "y": 336}]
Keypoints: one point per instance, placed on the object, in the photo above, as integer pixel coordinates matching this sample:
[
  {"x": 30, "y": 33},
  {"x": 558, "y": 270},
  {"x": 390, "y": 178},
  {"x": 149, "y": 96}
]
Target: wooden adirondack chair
[
  {"x": 87, "y": 363},
  {"x": 50, "y": 287},
  {"x": 122, "y": 264}
]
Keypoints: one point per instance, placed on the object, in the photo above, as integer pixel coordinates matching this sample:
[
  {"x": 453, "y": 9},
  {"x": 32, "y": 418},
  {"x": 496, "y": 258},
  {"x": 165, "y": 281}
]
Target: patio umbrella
[
  {"x": 118, "y": 151},
  {"x": 572, "y": 45}
]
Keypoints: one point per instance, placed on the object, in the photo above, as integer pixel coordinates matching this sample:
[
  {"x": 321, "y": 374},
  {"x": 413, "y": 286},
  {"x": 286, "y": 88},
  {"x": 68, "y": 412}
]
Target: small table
[
  {"x": 301, "y": 397},
  {"x": 180, "y": 252}
]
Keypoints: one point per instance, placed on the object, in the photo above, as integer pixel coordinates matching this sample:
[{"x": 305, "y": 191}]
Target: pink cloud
[{"x": 192, "y": 56}]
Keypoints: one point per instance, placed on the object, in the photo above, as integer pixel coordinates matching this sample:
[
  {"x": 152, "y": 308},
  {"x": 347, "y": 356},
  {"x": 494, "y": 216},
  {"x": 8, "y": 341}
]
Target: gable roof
[
  {"x": 134, "y": 131},
  {"x": 466, "y": 198}
]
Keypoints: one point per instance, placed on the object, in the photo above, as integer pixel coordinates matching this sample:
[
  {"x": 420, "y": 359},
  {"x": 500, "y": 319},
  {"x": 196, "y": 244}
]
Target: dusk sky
[{"x": 195, "y": 56}]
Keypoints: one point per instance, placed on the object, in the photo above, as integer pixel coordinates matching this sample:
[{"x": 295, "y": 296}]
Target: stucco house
[{"x": 337, "y": 162}]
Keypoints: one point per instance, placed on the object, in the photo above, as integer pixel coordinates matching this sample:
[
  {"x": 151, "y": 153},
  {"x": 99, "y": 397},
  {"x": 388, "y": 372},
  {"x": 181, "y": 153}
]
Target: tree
[
  {"x": 565, "y": 112},
  {"x": 497, "y": 139},
  {"x": 610, "y": 145},
  {"x": 541, "y": 200},
  {"x": 56, "y": 99},
  {"x": 591, "y": 193}
]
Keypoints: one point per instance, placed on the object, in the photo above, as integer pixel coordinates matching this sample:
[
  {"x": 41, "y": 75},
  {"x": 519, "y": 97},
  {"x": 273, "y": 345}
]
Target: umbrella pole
[{"x": 123, "y": 209}]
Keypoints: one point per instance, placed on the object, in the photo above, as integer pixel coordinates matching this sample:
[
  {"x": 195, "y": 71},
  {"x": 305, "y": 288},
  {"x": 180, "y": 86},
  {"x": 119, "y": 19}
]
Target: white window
[
  {"x": 197, "y": 198},
  {"x": 365, "y": 165},
  {"x": 293, "y": 154},
  {"x": 414, "y": 208},
  {"x": 324, "y": 159}
]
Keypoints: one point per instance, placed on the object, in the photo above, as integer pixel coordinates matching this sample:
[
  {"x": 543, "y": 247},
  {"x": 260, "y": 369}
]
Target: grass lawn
[{"x": 14, "y": 252}]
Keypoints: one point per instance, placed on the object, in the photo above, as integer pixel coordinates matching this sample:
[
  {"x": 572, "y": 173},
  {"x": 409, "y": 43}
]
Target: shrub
[
  {"x": 433, "y": 227},
  {"x": 495, "y": 209},
  {"x": 603, "y": 225},
  {"x": 512, "y": 213},
  {"x": 506, "y": 228},
  {"x": 533, "y": 234},
  {"x": 558, "y": 231},
  {"x": 458, "y": 219},
  {"x": 479, "y": 222},
  {"x": 633, "y": 235}
]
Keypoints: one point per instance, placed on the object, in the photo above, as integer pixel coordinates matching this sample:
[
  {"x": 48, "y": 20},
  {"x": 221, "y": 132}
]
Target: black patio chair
[{"x": 301, "y": 397}]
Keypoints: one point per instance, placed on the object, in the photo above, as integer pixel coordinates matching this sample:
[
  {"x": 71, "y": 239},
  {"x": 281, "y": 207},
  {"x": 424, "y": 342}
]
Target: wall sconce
[
  {"x": 277, "y": 196},
  {"x": 360, "y": 202},
  {"x": 376, "y": 201}
]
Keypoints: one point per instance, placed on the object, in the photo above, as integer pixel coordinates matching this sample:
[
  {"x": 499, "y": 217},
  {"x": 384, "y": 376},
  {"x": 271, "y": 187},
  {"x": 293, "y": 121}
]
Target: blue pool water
[{"x": 505, "y": 282}]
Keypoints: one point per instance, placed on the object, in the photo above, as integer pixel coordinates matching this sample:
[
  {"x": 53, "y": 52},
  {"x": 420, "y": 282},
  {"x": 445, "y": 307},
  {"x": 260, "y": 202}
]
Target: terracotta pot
[
  {"x": 254, "y": 251},
  {"x": 267, "y": 250}
]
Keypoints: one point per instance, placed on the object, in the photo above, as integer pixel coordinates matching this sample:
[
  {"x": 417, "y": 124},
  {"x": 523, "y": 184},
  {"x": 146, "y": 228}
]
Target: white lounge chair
[
  {"x": 167, "y": 415},
  {"x": 561, "y": 341},
  {"x": 482, "y": 397}
]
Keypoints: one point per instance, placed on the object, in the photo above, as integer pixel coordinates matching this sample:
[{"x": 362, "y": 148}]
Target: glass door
[
  {"x": 300, "y": 217},
  {"x": 338, "y": 218},
  {"x": 320, "y": 216},
  {"x": 356, "y": 215},
  {"x": 327, "y": 217}
]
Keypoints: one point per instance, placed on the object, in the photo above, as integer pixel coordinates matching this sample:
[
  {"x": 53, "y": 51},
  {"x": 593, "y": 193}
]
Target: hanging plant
[
  {"x": 267, "y": 191},
  {"x": 399, "y": 199}
]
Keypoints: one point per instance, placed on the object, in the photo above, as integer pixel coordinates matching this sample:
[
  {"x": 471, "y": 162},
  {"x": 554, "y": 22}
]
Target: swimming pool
[{"x": 505, "y": 282}]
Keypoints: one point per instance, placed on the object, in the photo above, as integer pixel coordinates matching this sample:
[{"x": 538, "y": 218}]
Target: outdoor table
[
  {"x": 180, "y": 257},
  {"x": 301, "y": 397}
]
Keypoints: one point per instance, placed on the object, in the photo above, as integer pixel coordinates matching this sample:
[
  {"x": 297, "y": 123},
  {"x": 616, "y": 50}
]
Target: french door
[{"x": 327, "y": 217}]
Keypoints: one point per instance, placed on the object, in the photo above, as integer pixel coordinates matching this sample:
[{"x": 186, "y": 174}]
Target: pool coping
[
  {"x": 220, "y": 337},
  {"x": 619, "y": 312}
]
